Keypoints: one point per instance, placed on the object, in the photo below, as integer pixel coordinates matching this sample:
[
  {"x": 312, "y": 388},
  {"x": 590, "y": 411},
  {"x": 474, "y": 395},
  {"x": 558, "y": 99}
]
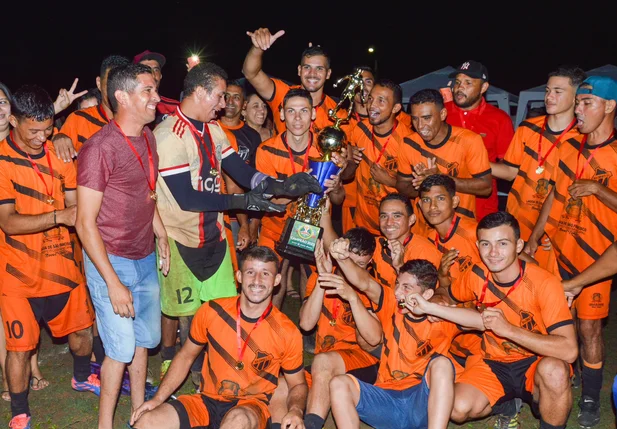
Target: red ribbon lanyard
[
  {"x": 103, "y": 113},
  {"x": 151, "y": 180},
  {"x": 579, "y": 174},
  {"x": 200, "y": 139},
  {"x": 35, "y": 167},
  {"x": 383, "y": 149},
  {"x": 449, "y": 234},
  {"x": 291, "y": 155},
  {"x": 241, "y": 346},
  {"x": 481, "y": 302},
  {"x": 542, "y": 159}
]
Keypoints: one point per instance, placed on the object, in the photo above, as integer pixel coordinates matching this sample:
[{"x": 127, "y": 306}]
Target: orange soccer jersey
[
  {"x": 416, "y": 247},
  {"x": 463, "y": 239},
  {"x": 274, "y": 346},
  {"x": 380, "y": 149},
  {"x": 82, "y": 124},
  {"x": 273, "y": 159},
  {"x": 43, "y": 263},
  {"x": 538, "y": 305},
  {"x": 461, "y": 154},
  {"x": 408, "y": 345},
  {"x": 581, "y": 229},
  {"x": 533, "y": 183}
]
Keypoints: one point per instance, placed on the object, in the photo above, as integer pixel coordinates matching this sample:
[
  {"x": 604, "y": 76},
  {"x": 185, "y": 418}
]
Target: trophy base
[{"x": 299, "y": 239}]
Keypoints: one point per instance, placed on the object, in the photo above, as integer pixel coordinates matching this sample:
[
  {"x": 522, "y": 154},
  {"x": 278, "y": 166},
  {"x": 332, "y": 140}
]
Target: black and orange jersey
[
  {"x": 532, "y": 184},
  {"x": 538, "y": 305},
  {"x": 404, "y": 118},
  {"x": 322, "y": 119},
  {"x": 243, "y": 139},
  {"x": 380, "y": 149},
  {"x": 273, "y": 159},
  {"x": 274, "y": 346},
  {"x": 463, "y": 239},
  {"x": 336, "y": 328},
  {"x": 408, "y": 344},
  {"x": 42, "y": 263},
  {"x": 461, "y": 154},
  {"x": 582, "y": 229},
  {"x": 417, "y": 247},
  {"x": 82, "y": 124}
]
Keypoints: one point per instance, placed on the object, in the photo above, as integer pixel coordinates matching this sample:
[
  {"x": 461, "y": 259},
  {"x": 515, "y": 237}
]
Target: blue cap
[{"x": 600, "y": 86}]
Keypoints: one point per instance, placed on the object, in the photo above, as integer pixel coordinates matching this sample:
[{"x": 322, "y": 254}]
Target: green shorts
[{"x": 182, "y": 293}]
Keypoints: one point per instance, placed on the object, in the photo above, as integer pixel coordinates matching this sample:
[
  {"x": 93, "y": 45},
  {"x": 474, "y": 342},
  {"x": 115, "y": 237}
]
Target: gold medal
[
  {"x": 153, "y": 195},
  {"x": 540, "y": 169},
  {"x": 50, "y": 201},
  {"x": 239, "y": 365},
  {"x": 333, "y": 322},
  {"x": 481, "y": 307},
  {"x": 214, "y": 172}
]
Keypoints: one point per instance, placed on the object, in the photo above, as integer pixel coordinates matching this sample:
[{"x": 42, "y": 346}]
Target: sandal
[
  {"x": 38, "y": 383},
  {"x": 6, "y": 395}
]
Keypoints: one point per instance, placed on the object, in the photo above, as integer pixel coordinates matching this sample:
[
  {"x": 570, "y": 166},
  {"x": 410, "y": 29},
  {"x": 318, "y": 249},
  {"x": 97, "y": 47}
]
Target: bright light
[
  {"x": 194, "y": 58},
  {"x": 371, "y": 50}
]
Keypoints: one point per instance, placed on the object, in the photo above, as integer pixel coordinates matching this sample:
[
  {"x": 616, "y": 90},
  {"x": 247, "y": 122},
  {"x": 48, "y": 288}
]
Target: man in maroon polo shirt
[
  {"x": 470, "y": 110},
  {"x": 156, "y": 62}
]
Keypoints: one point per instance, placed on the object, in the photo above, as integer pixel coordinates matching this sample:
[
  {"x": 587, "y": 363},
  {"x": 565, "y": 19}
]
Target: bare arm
[
  {"x": 405, "y": 186},
  {"x": 13, "y": 223},
  {"x": 359, "y": 278},
  {"x": 481, "y": 186},
  {"x": 503, "y": 171},
  {"x": 538, "y": 229},
  {"x": 262, "y": 39},
  {"x": 296, "y": 399},
  {"x": 367, "y": 324},
  {"x": 467, "y": 317},
  {"x": 311, "y": 308},
  {"x": 602, "y": 268}
]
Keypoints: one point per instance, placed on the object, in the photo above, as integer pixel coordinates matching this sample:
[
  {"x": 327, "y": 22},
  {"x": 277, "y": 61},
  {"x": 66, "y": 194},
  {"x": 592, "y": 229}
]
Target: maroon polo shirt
[
  {"x": 107, "y": 164},
  {"x": 495, "y": 127}
]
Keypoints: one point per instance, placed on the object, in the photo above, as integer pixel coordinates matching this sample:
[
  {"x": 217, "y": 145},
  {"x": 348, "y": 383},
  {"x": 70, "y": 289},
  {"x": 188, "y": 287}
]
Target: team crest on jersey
[
  {"x": 399, "y": 375},
  {"x": 390, "y": 163},
  {"x": 424, "y": 348},
  {"x": 602, "y": 176},
  {"x": 527, "y": 320},
  {"x": 464, "y": 263},
  {"x": 374, "y": 187},
  {"x": 542, "y": 188},
  {"x": 327, "y": 343},
  {"x": 229, "y": 388},
  {"x": 453, "y": 169},
  {"x": 574, "y": 208},
  {"x": 347, "y": 314},
  {"x": 262, "y": 361}
]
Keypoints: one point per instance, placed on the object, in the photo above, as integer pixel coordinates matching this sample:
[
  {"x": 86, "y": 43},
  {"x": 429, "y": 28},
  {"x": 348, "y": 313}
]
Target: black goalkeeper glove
[
  {"x": 294, "y": 186},
  {"x": 256, "y": 200}
]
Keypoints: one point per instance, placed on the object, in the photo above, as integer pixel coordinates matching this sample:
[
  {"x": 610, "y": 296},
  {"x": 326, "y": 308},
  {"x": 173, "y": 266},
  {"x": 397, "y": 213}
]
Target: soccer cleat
[
  {"x": 589, "y": 412},
  {"x": 164, "y": 367},
  {"x": 21, "y": 421},
  {"x": 92, "y": 384},
  {"x": 509, "y": 422}
]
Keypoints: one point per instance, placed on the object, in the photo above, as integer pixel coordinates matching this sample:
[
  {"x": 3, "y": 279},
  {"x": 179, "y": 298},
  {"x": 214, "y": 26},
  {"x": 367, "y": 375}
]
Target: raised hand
[
  {"x": 66, "y": 98},
  {"x": 263, "y": 39}
]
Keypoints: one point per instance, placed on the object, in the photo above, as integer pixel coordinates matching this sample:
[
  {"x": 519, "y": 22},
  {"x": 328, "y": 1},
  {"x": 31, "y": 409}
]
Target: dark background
[{"x": 519, "y": 42}]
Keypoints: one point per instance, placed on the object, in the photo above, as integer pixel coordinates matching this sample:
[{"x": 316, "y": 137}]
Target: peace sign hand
[{"x": 66, "y": 98}]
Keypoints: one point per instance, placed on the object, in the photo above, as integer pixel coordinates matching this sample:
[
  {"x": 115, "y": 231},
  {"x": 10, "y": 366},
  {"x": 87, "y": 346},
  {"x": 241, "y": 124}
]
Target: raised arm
[
  {"x": 358, "y": 277},
  {"x": 262, "y": 40}
]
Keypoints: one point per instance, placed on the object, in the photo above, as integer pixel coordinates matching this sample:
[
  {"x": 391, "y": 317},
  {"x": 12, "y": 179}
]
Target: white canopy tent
[
  {"x": 439, "y": 79},
  {"x": 534, "y": 97}
]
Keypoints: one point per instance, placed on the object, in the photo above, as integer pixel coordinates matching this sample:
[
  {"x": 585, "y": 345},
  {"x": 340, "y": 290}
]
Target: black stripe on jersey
[
  {"x": 586, "y": 247},
  {"x": 58, "y": 279},
  {"x": 465, "y": 212},
  {"x": 565, "y": 261},
  {"x": 574, "y": 143},
  {"x": 326, "y": 312},
  {"x": 18, "y": 275},
  {"x": 22, "y": 162},
  {"x": 481, "y": 174},
  {"x": 195, "y": 341},
  {"x": 90, "y": 118},
  {"x": 216, "y": 346},
  {"x": 425, "y": 153},
  {"x": 81, "y": 139},
  {"x": 566, "y": 170},
  {"x": 293, "y": 371},
  {"x": 559, "y": 197},
  {"x": 283, "y": 154},
  {"x": 18, "y": 245},
  {"x": 510, "y": 164},
  {"x": 603, "y": 230},
  {"x": 365, "y": 131},
  {"x": 30, "y": 192},
  {"x": 8, "y": 201},
  {"x": 532, "y": 153},
  {"x": 502, "y": 297},
  {"x": 559, "y": 325}
]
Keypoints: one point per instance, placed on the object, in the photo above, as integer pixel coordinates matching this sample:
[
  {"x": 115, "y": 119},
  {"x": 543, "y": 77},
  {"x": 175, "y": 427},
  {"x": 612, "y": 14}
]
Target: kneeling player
[{"x": 249, "y": 343}]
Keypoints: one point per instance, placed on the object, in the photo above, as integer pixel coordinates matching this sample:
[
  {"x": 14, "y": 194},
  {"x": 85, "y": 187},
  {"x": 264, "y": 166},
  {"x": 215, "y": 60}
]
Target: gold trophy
[{"x": 302, "y": 231}]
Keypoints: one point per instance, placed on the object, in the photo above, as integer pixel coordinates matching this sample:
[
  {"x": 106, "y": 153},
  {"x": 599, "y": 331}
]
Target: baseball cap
[
  {"x": 147, "y": 55},
  {"x": 472, "y": 69},
  {"x": 600, "y": 86}
]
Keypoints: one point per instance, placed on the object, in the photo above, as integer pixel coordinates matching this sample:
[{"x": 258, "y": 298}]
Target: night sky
[{"x": 52, "y": 45}]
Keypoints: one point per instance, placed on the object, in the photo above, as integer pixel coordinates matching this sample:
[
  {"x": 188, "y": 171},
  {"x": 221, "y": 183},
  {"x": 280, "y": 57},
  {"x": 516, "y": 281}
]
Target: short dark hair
[
  {"x": 237, "y": 83},
  {"x": 494, "y": 220},
  {"x": 438, "y": 180},
  {"x": 395, "y": 196},
  {"x": 423, "y": 270},
  {"x": 298, "y": 92},
  {"x": 32, "y": 102},
  {"x": 111, "y": 62},
  {"x": 204, "y": 75},
  {"x": 427, "y": 96},
  {"x": 7, "y": 92},
  {"x": 314, "y": 51},
  {"x": 396, "y": 89},
  {"x": 259, "y": 253},
  {"x": 576, "y": 74},
  {"x": 124, "y": 78},
  {"x": 92, "y": 93},
  {"x": 361, "y": 240}
]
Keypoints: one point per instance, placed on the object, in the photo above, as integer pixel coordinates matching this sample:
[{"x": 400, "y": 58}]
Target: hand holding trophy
[{"x": 302, "y": 231}]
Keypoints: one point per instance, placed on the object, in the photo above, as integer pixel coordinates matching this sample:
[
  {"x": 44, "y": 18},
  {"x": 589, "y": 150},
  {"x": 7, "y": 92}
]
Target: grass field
[{"x": 58, "y": 406}]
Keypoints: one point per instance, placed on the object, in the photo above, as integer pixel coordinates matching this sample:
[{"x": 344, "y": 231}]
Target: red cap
[{"x": 147, "y": 55}]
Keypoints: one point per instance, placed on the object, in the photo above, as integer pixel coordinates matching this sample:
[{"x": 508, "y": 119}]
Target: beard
[{"x": 467, "y": 102}]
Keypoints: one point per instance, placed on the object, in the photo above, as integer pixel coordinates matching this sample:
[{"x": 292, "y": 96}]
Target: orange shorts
[
  {"x": 465, "y": 345},
  {"x": 64, "y": 314},
  {"x": 358, "y": 363},
  {"x": 347, "y": 214},
  {"x": 499, "y": 380},
  {"x": 199, "y": 411}
]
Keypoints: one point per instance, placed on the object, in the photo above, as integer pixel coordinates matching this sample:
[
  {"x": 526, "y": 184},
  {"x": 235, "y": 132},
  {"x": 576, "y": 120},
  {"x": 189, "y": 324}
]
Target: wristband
[{"x": 55, "y": 223}]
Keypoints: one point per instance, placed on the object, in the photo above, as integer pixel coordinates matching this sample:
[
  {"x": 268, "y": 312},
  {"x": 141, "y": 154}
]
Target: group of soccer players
[{"x": 425, "y": 307}]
